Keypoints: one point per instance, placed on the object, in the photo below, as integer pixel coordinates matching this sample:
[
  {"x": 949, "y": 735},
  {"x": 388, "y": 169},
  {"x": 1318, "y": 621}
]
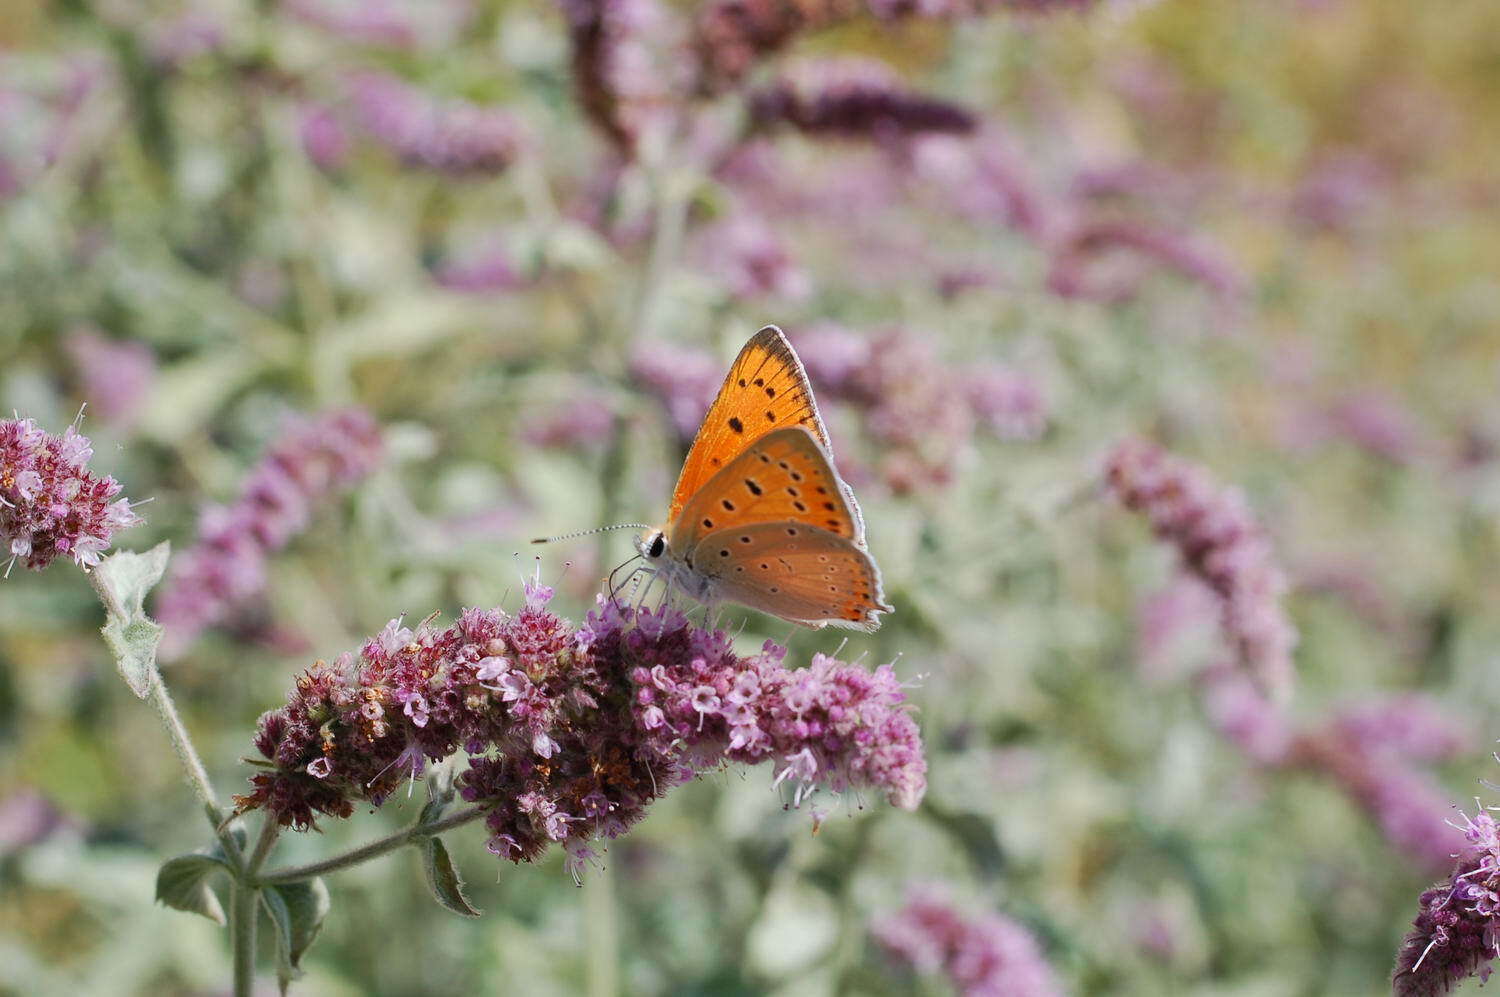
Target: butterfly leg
[
  {"x": 650, "y": 584},
  {"x": 632, "y": 579},
  {"x": 614, "y": 587}
]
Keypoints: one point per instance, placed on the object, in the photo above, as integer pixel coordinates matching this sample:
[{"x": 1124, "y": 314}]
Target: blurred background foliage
[{"x": 226, "y": 191}]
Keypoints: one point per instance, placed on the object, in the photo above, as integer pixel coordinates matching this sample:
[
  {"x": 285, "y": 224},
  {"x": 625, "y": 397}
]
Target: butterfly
[{"x": 759, "y": 516}]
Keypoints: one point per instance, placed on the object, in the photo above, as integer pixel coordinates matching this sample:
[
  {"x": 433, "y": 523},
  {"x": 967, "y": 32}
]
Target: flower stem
[
  {"x": 197, "y": 775},
  {"x": 374, "y": 849},
  {"x": 242, "y": 917},
  {"x": 269, "y": 829},
  {"x": 171, "y": 720}
]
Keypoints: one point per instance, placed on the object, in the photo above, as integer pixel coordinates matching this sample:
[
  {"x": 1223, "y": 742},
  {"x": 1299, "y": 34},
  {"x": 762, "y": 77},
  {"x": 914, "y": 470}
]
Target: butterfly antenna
[{"x": 588, "y": 533}]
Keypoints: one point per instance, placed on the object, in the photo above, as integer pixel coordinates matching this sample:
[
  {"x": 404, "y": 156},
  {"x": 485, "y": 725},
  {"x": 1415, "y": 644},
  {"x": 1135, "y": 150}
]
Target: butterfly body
[{"x": 760, "y": 516}]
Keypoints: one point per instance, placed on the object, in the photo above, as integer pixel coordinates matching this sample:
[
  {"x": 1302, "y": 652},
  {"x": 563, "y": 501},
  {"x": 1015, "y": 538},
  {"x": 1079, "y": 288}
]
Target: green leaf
[
  {"x": 123, "y": 579},
  {"x": 128, "y": 576},
  {"x": 442, "y": 878},
  {"x": 297, "y": 911},
  {"x": 182, "y": 884}
]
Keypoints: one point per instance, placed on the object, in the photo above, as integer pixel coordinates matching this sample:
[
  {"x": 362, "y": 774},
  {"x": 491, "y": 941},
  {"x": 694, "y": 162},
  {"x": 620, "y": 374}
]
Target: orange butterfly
[{"x": 759, "y": 516}]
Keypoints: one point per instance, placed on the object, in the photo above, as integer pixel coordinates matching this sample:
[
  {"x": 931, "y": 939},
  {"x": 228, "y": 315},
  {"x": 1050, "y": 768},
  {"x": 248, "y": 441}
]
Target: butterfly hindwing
[
  {"x": 785, "y": 476},
  {"x": 766, "y": 389},
  {"x": 798, "y": 572}
]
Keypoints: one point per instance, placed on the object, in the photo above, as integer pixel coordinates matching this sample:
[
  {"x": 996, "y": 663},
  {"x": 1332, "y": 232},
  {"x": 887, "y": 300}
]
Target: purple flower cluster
[
  {"x": 313, "y": 458},
  {"x": 1456, "y": 933},
  {"x": 853, "y": 99},
  {"x": 51, "y": 505},
  {"x": 572, "y": 732},
  {"x": 987, "y": 955},
  {"x": 450, "y": 136},
  {"x": 920, "y": 412},
  {"x": 1220, "y": 543}
]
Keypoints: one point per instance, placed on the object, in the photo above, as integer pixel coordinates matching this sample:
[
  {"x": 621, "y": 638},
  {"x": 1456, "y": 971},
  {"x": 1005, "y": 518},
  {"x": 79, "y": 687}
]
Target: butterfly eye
[{"x": 658, "y": 544}]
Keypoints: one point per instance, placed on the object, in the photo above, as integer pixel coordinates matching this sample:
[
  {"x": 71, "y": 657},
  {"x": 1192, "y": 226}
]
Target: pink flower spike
[{"x": 598, "y": 720}]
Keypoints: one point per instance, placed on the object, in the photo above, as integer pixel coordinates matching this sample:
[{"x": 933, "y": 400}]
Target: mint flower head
[
  {"x": 572, "y": 731},
  {"x": 51, "y": 505},
  {"x": 1456, "y": 933}
]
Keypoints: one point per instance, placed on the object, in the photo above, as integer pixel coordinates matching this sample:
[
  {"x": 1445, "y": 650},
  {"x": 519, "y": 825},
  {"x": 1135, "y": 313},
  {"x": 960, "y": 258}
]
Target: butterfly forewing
[
  {"x": 766, "y": 389},
  {"x": 783, "y": 477},
  {"x": 797, "y": 572}
]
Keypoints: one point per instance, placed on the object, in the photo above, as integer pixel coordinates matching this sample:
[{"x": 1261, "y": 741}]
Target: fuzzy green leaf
[
  {"x": 297, "y": 911},
  {"x": 182, "y": 884},
  {"x": 123, "y": 580},
  {"x": 442, "y": 878}
]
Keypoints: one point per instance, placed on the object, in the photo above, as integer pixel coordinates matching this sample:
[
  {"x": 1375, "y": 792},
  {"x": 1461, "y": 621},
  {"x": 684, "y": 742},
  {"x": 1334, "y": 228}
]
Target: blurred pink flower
[
  {"x": 982, "y": 955},
  {"x": 28, "y": 818},
  {"x": 833, "y": 355},
  {"x": 40, "y": 106},
  {"x": 1240, "y": 712},
  {"x": 1406, "y": 725},
  {"x": 193, "y": 33},
  {"x": 987, "y": 180},
  {"x": 480, "y": 272},
  {"x": 1073, "y": 273},
  {"x": 451, "y": 136},
  {"x": 1340, "y": 192},
  {"x": 682, "y": 379},
  {"x": 745, "y": 254},
  {"x": 582, "y": 423},
  {"x": 853, "y": 98},
  {"x": 1167, "y": 618},
  {"x": 398, "y": 24},
  {"x": 1379, "y": 424},
  {"x": 1218, "y": 541},
  {"x": 227, "y": 566},
  {"x": 1360, "y": 586},
  {"x": 731, "y": 36},
  {"x": 626, "y": 65},
  {"x": 1009, "y": 402},
  {"x": 114, "y": 375},
  {"x": 324, "y": 137}
]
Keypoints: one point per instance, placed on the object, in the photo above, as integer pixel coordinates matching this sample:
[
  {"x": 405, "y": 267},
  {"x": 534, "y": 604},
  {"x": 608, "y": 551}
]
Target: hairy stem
[
  {"x": 374, "y": 849},
  {"x": 182, "y": 742},
  {"x": 242, "y": 916},
  {"x": 192, "y": 765},
  {"x": 270, "y": 828}
]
